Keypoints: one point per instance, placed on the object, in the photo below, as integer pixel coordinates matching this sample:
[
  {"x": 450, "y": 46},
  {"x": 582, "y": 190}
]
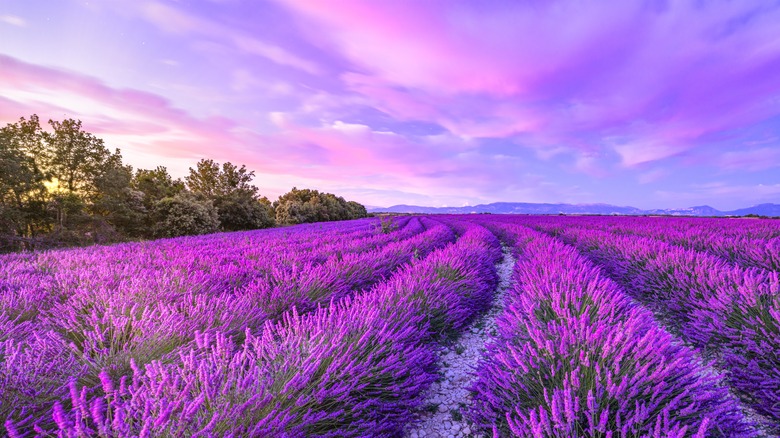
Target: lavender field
[{"x": 604, "y": 327}]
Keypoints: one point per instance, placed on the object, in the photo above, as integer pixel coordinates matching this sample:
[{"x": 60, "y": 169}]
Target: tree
[
  {"x": 239, "y": 211},
  {"x": 22, "y": 192},
  {"x": 292, "y": 211},
  {"x": 229, "y": 188},
  {"x": 75, "y": 161},
  {"x": 184, "y": 214},
  {"x": 204, "y": 179},
  {"x": 155, "y": 185},
  {"x": 116, "y": 202},
  {"x": 208, "y": 180},
  {"x": 234, "y": 179},
  {"x": 306, "y": 205},
  {"x": 72, "y": 223},
  {"x": 357, "y": 210},
  {"x": 74, "y": 157}
]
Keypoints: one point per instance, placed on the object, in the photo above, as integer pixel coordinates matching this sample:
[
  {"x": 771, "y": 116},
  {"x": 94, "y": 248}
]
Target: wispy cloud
[
  {"x": 130, "y": 119},
  {"x": 751, "y": 159},
  {"x": 13, "y": 20},
  {"x": 438, "y": 102},
  {"x": 171, "y": 19},
  {"x": 562, "y": 72},
  {"x": 339, "y": 154},
  {"x": 652, "y": 176}
]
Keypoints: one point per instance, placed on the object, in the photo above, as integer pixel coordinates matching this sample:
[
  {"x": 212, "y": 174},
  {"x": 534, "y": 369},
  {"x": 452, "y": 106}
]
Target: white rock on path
[{"x": 447, "y": 398}]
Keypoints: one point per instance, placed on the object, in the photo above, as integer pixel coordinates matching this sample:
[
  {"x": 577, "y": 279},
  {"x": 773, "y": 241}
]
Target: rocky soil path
[{"x": 442, "y": 415}]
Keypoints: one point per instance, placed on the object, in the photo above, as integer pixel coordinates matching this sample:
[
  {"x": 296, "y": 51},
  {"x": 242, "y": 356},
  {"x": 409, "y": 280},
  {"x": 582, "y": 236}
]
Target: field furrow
[
  {"x": 733, "y": 314},
  {"x": 602, "y": 326},
  {"x": 574, "y": 356}
]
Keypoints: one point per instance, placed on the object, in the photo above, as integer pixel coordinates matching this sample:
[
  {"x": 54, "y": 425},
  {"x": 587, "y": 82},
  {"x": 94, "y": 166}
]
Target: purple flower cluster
[
  {"x": 574, "y": 356},
  {"x": 753, "y": 243},
  {"x": 334, "y": 329},
  {"x": 222, "y": 336},
  {"x": 732, "y": 313}
]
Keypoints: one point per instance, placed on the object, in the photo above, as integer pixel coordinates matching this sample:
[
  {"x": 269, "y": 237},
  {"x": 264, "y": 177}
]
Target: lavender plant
[
  {"x": 334, "y": 329},
  {"x": 575, "y": 357},
  {"x": 354, "y": 367},
  {"x": 731, "y": 313}
]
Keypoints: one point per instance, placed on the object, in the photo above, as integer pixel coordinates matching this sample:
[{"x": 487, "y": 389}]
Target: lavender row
[
  {"x": 193, "y": 264},
  {"x": 759, "y": 229},
  {"x": 91, "y": 316},
  {"x": 574, "y": 356},
  {"x": 743, "y": 250},
  {"x": 747, "y": 243},
  {"x": 313, "y": 286},
  {"x": 731, "y": 312},
  {"x": 355, "y": 368},
  {"x": 97, "y": 330},
  {"x": 170, "y": 267},
  {"x": 173, "y": 272}
]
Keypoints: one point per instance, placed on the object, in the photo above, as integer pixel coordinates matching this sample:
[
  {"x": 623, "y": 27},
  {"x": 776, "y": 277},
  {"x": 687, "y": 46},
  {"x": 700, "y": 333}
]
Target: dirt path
[{"x": 442, "y": 416}]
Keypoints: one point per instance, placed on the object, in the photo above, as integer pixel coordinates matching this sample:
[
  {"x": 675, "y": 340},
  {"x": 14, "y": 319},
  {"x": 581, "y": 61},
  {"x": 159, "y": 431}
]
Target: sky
[{"x": 653, "y": 104}]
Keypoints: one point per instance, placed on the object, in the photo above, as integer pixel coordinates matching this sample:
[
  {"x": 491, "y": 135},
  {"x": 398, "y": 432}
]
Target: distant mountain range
[{"x": 603, "y": 209}]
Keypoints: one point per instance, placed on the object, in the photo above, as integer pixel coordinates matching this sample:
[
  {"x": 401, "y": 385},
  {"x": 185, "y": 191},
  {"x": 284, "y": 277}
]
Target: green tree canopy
[
  {"x": 207, "y": 179},
  {"x": 229, "y": 188},
  {"x": 184, "y": 214},
  {"x": 74, "y": 157},
  {"x": 116, "y": 201},
  {"x": 156, "y": 184},
  {"x": 22, "y": 192},
  {"x": 64, "y": 187},
  {"x": 305, "y": 205}
]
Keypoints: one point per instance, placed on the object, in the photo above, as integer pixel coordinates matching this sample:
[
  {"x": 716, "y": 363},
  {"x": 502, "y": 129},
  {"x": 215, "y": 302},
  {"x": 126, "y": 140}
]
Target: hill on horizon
[{"x": 767, "y": 209}]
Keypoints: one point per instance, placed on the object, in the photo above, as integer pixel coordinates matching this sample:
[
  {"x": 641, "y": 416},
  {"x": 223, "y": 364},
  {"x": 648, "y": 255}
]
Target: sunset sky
[{"x": 440, "y": 103}]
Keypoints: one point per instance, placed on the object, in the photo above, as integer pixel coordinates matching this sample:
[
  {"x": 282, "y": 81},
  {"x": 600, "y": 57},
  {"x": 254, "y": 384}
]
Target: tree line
[{"x": 64, "y": 187}]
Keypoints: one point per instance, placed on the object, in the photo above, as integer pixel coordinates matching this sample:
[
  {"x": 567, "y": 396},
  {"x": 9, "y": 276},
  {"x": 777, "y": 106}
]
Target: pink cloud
[
  {"x": 448, "y": 47},
  {"x": 352, "y": 155},
  {"x": 331, "y": 156},
  {"x": 174, "y": 20},
  {"x": 13, "y": 20},
  {"x": 563, "y": 73},
  {"x": 458, "y": 98},
  {"x": 399, "y": 103},
  {"x": 751, "y": 159},
  {"x": 356, "y": 151},
  {"x": 131, "y": 119},
  {"x": 461, "y": 116}
]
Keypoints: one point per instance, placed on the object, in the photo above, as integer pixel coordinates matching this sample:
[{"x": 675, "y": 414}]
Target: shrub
[{"x": 184, "y": 214}]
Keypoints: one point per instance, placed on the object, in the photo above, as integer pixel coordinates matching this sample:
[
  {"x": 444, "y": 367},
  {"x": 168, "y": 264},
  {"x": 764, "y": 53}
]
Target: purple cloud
[
  {"x": 447, "y": 101},
  {"x": 642, "y": 79}
]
